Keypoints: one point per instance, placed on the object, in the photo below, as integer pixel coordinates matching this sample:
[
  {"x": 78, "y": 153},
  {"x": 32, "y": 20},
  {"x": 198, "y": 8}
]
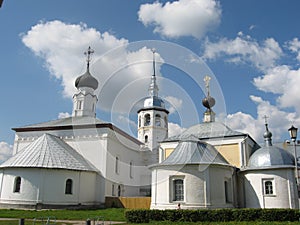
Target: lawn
[{"x": 111, "y": 214}]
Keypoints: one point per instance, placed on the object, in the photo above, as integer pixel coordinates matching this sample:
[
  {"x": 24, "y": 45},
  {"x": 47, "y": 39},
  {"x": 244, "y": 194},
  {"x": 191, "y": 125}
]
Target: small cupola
[{"x": 87, "y": 80}]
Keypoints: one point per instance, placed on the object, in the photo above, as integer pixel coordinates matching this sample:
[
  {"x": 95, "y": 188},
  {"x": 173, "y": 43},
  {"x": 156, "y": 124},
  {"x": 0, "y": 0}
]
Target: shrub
[{"x": 212, "y": 215}]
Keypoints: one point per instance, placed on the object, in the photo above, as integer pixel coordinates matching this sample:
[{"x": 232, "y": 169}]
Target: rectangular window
[
  {"x": 268, "y": 185},
  {"x": 117, "y": 165},
  {"x": 178, "y": 189},
  {"x": 113, "y": 190}
]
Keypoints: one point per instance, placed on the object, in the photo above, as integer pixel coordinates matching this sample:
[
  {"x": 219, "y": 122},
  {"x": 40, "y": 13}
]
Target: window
[
  {"x": 166, "y": 122},
  {"x": 119, "y": 190},
  {"x": 178, "y": 188},
  {"x": 117, "y": 165},
  {"x": 157, "y": 120},
  {"x": 113, "y": 190},
  {"x": 17, "y": 185},
  {"x": 146, "y": 138},
  {"x": 130, "y": 170},
  {"x": 69, "y": 186},
  {"x": 228, "y": 191},
  {"x": 139, "y": 121},
  {"x": 79, "y": 104},
  {"x": 147, "y": 120},
  {"x": 268, "y": 187}
]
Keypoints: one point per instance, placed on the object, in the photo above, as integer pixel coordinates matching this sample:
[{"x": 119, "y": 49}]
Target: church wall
[
  {"x": 45, "y": 186},
  {"x": 203, "y": 186},
  {"x": 218, "y": 175},
  {"x": 284, "y": 189}
]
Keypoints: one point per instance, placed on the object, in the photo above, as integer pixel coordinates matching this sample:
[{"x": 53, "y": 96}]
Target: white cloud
[
  {"x": 278, "y": 120},
  {"x": 174, "y": 129},
  {"x": 294, "y": 46},
  {"x": 123, "y": 75},
  {"x": 244, "y": 49},
  {"x": 62, "y": 115},
  {"x": 284, "y": 82},
  {"x": 5, "y": 151},
  {"x": 175, "y": 104},
  {"x": 181, "y": 18}
]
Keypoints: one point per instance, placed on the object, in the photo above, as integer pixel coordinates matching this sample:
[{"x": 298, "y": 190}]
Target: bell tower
[
  {"x": 84, "y": 101},
  {"x": 153, "y": 117}
]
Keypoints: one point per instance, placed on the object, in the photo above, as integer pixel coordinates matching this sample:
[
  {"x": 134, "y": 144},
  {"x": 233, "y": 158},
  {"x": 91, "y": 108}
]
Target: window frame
[
  {"x": 269, "y": 187},
  {"x": 17, "y": 184},
  {"x": 69, "y": 186},
  {"x": 177, "y": 197}
]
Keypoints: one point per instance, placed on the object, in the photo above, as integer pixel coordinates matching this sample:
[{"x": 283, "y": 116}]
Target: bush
[
  {"x": 212, "y": 215},
  {"x": 137, "y": 216}
]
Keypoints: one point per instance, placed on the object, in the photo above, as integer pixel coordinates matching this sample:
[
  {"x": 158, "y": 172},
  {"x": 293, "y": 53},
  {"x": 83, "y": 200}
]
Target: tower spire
[{"x": 153, "y": 88}]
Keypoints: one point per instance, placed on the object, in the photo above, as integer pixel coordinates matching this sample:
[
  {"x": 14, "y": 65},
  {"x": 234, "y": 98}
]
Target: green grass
[
  {"x": 108, "y": 214},
  {"x": 112, "y": 214}
]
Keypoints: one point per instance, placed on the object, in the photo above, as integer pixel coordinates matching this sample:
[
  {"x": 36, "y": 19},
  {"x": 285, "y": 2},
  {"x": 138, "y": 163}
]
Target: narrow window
[
  {"x": 117, "y": 165},
  {"x": 268, "y": 187},
  {"x": 113, "y": 190},
  {"x": 69, "y": 186},
  {"x": 178, "y": 190},
  {"x": 139, "y": 121},
  {"x": 130, "y": 170},
  {"x": 17, "y": 185},
  {"x": 79, "y": 104},
  {"x": 147, "y": 120},
  {"x": 119, "y": 190},
  {"x": 146, "y": 138},
  {"x": 157, "y": 120}
]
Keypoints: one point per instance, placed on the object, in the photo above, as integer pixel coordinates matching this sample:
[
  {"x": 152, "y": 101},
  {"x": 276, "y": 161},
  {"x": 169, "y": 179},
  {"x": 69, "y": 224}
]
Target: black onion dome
[
  {"x": 86, "y": 80},
  {"x": 208, "y": 102}
]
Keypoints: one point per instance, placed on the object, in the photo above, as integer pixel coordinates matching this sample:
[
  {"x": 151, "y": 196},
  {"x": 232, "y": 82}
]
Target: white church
[{"x": 81, "y": 160}]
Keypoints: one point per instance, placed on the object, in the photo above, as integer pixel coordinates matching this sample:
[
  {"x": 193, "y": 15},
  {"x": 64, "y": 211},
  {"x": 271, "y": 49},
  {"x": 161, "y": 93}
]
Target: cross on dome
[{"x": 88, "y": 53}]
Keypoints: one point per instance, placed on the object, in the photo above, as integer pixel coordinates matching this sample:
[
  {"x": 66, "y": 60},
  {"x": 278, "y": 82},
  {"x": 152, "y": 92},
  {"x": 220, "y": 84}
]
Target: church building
[{"x": 79, "y": 161}]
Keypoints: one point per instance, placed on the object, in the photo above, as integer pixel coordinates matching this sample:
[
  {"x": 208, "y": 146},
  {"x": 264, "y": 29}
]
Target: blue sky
[{"x": 250, "y": 48}]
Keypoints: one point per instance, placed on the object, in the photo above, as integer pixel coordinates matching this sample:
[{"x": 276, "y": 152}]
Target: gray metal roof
[
  {"x": 194, "y": 152},
  {"x": 86, "y": 80},
  {"x": 49, "y": 151},
  {"x": 69, "y": 121},
  {"x": 270, "y": 156},
  {"x": 206, "y": 130}
]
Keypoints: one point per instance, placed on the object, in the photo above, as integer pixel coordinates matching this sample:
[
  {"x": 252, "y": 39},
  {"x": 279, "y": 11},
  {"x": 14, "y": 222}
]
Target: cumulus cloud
[
  {"x": 278, "y": 120},
  {"x": 284, "y": 82},
  {"x": 5, "y": 151},
  {"x": 123, "y": 74},
  {"x": 62, "y": 115},
  {"x": 244, "y": 49},
  {"x": 175, "y": 129},
  {"x": 181, "y": 18},
  {"x": 294, "y": 46},
  {"x": 175, "y": 104}
]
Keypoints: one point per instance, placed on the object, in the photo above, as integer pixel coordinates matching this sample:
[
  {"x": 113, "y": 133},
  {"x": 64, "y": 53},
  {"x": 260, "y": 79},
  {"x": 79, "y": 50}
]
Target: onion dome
[
  {"x": 269, "y": 155},
  {"x": 87, "y": 80},
  {"x": 208, "y": 102}
]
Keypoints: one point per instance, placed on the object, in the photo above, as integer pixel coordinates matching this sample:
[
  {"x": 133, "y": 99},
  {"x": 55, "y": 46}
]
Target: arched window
[
  {"x": 268, "y": 187},
  {"x": 17, "y": 185},
  {"x": 147, "y": 120},
  {"x": 157, "y": 120},
  {"x": 117, "y": 165},
  {"x": 69, "y": 186},
  {"x": 146, "y": 138},
  {"x": 79, "y": 104}
]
